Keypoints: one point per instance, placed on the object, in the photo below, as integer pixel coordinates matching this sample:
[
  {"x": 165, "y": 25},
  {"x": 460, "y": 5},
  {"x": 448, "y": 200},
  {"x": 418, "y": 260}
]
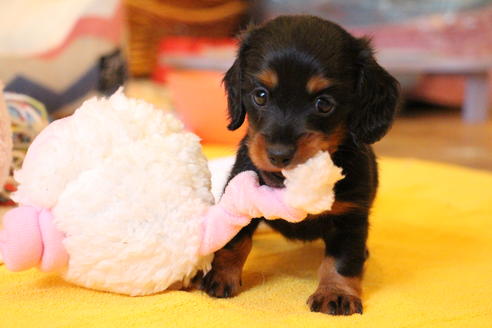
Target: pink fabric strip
[
  {"x": 218, "y": 227},
  {"x": 243, "y": 200}
]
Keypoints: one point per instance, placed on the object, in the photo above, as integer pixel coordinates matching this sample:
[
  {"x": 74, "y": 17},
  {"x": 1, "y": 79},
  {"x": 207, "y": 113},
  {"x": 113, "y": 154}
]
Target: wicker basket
[{"x": 150, "y": 20}]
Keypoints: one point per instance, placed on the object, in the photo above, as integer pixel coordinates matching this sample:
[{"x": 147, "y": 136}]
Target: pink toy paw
[
  {"x": 29, "y": 239},
  {"x": 20, "y": 239},
  {"x": 55, "y": 257}
]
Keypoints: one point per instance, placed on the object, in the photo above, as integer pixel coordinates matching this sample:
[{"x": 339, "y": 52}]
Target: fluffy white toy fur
[
  {"x": 306, "y": 184},
  {"x": 128, "y": 197},
  {"x": 127, "y": 187}
]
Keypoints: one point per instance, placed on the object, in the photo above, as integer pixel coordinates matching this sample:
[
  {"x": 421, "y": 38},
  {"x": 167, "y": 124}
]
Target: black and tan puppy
[{"x": 306, "y": 85}]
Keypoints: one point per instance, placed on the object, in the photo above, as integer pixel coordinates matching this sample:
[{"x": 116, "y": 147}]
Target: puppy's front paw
[
  {"x": 334, "y": 302},
  {"x": 221, "y": 283}
]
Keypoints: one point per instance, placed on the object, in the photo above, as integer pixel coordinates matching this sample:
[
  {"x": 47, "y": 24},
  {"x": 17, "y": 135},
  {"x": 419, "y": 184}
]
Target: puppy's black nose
[{"x": 280, "y": 155}]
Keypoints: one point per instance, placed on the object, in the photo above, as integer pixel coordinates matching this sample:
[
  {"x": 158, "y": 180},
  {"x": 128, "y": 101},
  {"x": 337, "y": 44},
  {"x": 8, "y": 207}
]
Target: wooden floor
[{"x": 439, "y": 135}]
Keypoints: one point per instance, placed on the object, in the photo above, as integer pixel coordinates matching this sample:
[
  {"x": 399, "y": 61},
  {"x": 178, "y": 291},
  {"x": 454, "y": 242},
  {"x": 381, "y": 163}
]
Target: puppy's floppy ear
[
  {"x": 377, "y": 92},
  {"x": 232, "y": 84},
  {"x": 233, "y": 81}
]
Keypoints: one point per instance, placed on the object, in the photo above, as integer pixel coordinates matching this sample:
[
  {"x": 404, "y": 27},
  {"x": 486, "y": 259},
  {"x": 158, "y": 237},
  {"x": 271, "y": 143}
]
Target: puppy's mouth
[{"x": 273, "y": 179}]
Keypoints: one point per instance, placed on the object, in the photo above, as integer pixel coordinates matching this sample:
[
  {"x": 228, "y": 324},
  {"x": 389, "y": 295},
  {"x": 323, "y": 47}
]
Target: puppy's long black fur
[{"x": 306, "y": 85}]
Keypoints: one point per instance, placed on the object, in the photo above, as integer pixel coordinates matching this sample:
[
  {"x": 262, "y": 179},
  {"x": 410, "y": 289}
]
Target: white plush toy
[{"x": 117, "y": 198}]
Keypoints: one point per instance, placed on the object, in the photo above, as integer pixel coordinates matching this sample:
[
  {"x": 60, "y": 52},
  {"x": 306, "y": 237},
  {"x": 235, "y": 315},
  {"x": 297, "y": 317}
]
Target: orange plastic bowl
[{"x": 201, "y": 103}]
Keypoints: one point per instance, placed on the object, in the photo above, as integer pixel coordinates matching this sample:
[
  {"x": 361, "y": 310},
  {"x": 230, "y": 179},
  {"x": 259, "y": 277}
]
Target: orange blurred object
[{"x": 201, "y": 103}]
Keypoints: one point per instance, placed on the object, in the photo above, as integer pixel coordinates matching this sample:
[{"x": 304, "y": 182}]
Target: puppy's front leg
[
  {"x": 224, "y": 279},
  {"x": 340, "y": 273}
]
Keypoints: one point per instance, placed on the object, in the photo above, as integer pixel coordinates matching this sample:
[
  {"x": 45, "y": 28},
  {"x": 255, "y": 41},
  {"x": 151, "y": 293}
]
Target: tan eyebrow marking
[
  {"x": 268, "y": 77},
  {"x": 317, "y": 83}
]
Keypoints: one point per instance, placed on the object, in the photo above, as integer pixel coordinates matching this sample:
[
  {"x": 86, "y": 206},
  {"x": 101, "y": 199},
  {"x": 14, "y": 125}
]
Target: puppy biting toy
[{"x": 117, "y": 198}]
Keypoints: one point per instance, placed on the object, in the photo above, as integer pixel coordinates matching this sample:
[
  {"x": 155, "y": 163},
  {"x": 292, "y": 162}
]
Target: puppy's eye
[
  {"x": 324, "y": 105},
  {"x": 260, "y": 96}
]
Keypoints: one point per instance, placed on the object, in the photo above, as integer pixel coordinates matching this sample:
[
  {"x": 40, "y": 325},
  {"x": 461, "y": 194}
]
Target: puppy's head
[{"x": 305, "y": 85}]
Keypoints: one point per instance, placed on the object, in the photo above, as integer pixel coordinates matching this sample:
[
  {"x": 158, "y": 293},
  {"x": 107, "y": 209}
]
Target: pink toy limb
[
  {"x": 20, "y": 239},
  {"x": 218, "y": 227},
  {"x": 30, "y": 239},
  {"x": 243, "y": 200},
  {"x": 55, "y": 256}
]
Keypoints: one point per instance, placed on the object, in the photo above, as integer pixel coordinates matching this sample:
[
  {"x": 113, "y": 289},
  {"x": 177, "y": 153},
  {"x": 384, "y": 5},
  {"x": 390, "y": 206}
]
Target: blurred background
[{"x": 56, "y": 53}]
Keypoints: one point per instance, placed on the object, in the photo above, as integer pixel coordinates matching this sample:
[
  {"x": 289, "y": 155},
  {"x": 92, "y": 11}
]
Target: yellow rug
[{"x": 430, "y": 266}]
